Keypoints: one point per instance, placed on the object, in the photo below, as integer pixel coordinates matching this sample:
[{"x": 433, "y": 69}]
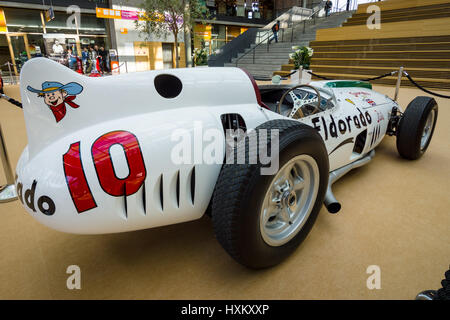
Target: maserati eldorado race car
[{"x": 148, "y": 149}]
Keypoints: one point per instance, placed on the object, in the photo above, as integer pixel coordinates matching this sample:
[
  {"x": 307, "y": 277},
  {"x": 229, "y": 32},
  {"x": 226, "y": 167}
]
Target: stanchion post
[
  {"x": 8, "y": 192},
  {"x": 399, "y": 82},
  {"x": 10, "y": 73}
]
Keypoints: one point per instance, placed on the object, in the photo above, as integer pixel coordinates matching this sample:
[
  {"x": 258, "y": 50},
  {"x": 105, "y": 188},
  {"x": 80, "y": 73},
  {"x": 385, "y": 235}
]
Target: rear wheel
[
  {"x": 416, "y": 127},
  {"x": 261, "y": 219}
]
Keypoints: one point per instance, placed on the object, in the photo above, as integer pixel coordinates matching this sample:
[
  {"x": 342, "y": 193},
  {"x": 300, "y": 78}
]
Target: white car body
[{"x": 112, "y": 106}]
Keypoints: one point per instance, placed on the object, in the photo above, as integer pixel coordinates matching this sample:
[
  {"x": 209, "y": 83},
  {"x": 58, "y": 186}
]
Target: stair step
[
  {"x": 281, "y": 45},
  {"x": 275, "y": 50},
  {"x": 375, "y": 71},
  {"x": 272, "y": 48},
  {"x": 409, "y": 11},
  {"x": 384, "y": 47},
  {"x": 412, "y": 40},
  {"x": 398, "y": 19},
  {"x": 436, "y": 54},
  {"x": 287, "y": 67},
  {"x": 256, "y": 68},
  {"x": 263, "y": 59},
  {"x": 425, "y": 82},
  {"x": 396, "y": 63},
  {"x": 380, "y": 68},
  {"x": 282, "y": 73},
  {"x": 411, "y": 14}
]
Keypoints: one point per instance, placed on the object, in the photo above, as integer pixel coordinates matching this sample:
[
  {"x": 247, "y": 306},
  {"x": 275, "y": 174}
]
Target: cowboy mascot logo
[{"x": 56, "y": 96}]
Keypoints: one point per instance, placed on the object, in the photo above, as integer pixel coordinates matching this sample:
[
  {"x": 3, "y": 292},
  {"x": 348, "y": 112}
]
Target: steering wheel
[{"x": 298, "y": 103}]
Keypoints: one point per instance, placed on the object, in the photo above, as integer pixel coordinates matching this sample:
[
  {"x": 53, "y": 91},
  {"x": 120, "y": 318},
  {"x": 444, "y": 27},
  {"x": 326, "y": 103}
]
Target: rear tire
[
  {"x": 238, "y": 207},
  {"x": 416, "y": 127}
]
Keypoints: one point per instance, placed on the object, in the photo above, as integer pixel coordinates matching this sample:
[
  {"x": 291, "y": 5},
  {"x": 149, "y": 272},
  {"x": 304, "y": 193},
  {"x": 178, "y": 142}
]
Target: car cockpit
[{"x": 296, "y": 101}]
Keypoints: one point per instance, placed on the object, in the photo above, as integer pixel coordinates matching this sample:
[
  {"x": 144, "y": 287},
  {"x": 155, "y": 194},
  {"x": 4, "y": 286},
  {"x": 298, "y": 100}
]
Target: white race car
[{"x": 148, "y": 149}]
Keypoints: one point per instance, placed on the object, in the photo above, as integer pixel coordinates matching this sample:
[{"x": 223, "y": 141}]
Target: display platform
[{"x": 394, "y": 215}]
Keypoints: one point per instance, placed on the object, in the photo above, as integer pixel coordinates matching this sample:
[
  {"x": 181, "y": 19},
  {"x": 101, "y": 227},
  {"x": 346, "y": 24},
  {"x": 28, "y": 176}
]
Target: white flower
[
  {"x": 291, "y": 55},
  {"x": 295, "y": 48}
]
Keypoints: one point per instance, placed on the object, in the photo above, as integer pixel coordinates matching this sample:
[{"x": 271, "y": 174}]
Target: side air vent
[
  {"x": 144, "y": 199},
  {"x": 178, "y": 189},
  {"x": 158, "y": 193},
  {"x": 360, "y": 142},
  {"x": 192, "y": 184},
  {"x": 161, "y": 193},
  {"x": 234, "y": 128},
  {"x": 173, "y": 190},
  {"x": 233, "y": 121}
]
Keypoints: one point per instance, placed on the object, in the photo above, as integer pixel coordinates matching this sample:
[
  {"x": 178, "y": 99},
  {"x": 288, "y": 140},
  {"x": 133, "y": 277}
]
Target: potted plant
[
  {"x": 302, "y": 60},
  {"x": 200, "y": 57}
]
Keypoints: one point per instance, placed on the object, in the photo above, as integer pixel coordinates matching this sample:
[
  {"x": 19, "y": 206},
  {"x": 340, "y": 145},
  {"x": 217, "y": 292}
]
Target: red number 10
[{"x": 76, "y": 179}]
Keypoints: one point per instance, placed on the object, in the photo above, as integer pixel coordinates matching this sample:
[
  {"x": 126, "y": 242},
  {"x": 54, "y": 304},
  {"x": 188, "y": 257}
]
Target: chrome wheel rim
[
  {"x": 289, "y": 200},
  {"x": 426, "y": 134}
]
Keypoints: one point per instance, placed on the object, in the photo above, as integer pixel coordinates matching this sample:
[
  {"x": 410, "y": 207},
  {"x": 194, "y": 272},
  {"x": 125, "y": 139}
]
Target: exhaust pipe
[{"x": 330, "y": 201}]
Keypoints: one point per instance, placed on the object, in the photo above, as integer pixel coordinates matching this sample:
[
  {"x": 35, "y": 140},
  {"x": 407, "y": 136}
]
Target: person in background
[
  {"x": 57, "y": 48},
  {"x": 69, "y": 58},
  {"x": 328, "y": 6},
  {"x": 104, "y": 54},
  {"x": 84, "y": 58},
  {"x": 92, "y": 58},
  {"x": 94, "y": 53},
  {"x": 275, "y": 29},
  {"x": 96, "y": 49},
  {"x": 98, "y": 58}
]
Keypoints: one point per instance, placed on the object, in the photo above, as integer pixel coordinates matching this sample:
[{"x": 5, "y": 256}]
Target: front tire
[
  {"x": 261, "y": 219},
  {"x": 416, "y": 127}
]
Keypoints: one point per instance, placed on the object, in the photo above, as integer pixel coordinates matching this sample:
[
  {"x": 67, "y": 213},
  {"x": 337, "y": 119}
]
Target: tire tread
[
  {"x": 232, "y": 183},
  {"x": 409, "y": 133}
]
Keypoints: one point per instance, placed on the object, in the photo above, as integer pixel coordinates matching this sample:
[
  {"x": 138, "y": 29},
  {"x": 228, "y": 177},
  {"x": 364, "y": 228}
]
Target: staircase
[
  {"x": 270, "y": 58},
  {"x": 414, "y": 34}
]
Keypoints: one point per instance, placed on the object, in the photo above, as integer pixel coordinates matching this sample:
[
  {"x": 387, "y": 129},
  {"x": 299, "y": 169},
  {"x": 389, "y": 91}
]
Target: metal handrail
[
  {"x": 269, "y": 32},
  {"x": 253, "y": 49}
]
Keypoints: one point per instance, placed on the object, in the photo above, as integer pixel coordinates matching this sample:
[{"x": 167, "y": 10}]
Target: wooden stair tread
[
  {"x": 384, "y": 15},
  {"x": 369, "y": 67},
  {"x": 380, "y": 44},
  {"x": 391, "y": 51},
  {"x": 396, "y": 29},
  {"x": 431, "y": 7},
  {"x": 379, "y": 59},
  {"x": 363, "y": 76},
  {"x": 402, "y": 5},
  {"x": 396, "y": 19}
]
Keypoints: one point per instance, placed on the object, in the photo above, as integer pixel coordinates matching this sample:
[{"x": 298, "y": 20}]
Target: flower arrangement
[
  {"x": 200, "y": 57},
  {"x": 301, "y": 56}
]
